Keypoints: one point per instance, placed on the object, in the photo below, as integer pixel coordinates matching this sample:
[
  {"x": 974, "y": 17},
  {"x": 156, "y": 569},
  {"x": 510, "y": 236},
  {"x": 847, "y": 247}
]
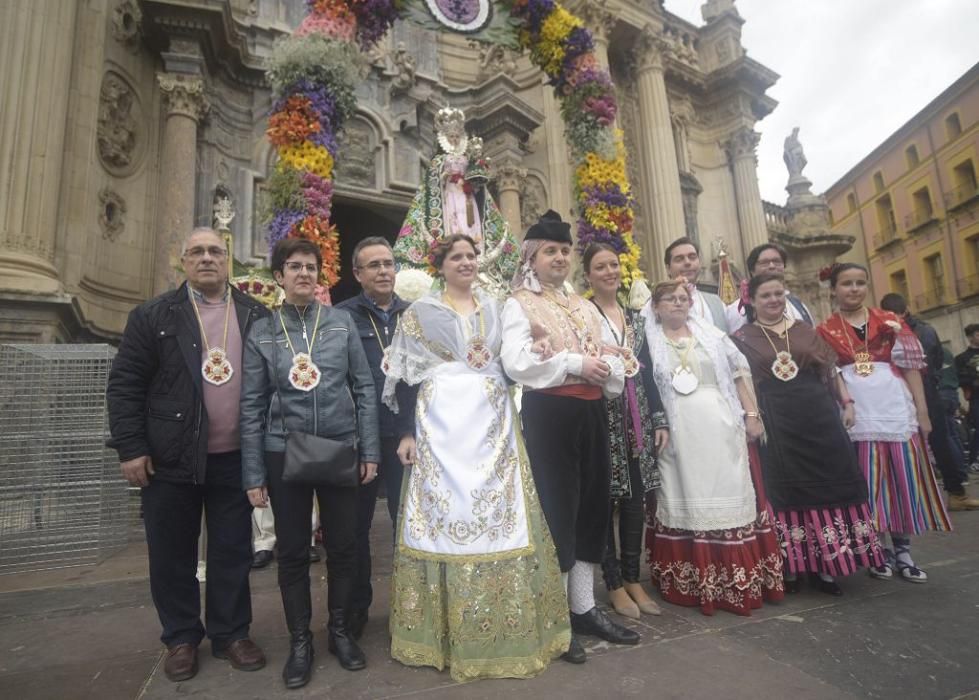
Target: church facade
[{"x": 131, "y": 121}]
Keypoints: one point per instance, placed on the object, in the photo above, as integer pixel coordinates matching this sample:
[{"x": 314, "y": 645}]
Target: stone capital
[
  {"x": 597, "y": 18},
  {"x": 183, "y": 95},
  {"x": 648, "y": 51},
  {"x": 510, "y": 176},
  {"x": 742, "y": 144}
]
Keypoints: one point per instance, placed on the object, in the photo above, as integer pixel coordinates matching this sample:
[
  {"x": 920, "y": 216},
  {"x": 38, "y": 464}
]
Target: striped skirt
[
  {"x": 903, "y": 493},
  {"x": 833, "y": 541}
]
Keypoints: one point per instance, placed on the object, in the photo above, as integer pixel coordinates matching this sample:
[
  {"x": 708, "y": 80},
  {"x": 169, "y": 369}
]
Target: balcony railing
[
  {"x": 919, "y": 219},
  {"x": 961, "y": 196},
  {"x": 885, "y": 237},
  {"x": 967, "y": 286},
  {"x": 930, "y": 299}
]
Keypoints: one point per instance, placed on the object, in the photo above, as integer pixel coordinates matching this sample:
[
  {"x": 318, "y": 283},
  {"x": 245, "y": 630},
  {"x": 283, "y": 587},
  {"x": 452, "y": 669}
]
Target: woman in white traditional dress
[
  {"x": 476, "y": 583},
  {"x": 711, "y": 544}
]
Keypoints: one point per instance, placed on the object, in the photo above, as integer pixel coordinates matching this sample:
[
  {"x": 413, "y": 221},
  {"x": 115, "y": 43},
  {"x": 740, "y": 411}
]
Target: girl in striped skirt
[{"x": 880, "y": 359}]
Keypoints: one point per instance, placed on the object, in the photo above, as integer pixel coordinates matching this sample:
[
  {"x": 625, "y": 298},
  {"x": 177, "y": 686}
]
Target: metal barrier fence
[{"x": 62, "y": 499}]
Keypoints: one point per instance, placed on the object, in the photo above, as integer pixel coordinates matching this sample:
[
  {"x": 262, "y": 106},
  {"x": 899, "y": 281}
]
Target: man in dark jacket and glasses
[{"x": 173, "y": 398}]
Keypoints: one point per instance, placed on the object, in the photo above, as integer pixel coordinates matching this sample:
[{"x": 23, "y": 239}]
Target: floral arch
[{"x": 314, "y": 71}]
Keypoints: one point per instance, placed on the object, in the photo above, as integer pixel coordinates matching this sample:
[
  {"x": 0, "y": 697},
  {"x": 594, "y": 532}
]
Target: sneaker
[
  {"x": 962, "y": 501},
  {"x": 974, "y": 467}
]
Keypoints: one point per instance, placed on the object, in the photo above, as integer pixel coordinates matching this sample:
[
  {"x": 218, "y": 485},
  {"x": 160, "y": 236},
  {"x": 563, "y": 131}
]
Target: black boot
[
  {"x": 356, "y": 621},
  {"x": 297, "y": 606},
  {"x": 342, "y": 644}
]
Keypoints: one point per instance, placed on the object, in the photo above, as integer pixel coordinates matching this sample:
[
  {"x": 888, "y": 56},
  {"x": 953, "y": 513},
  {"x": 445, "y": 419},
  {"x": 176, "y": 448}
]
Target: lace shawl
[
  {"x": 430, "y": 333},
  {"x": 729, "y": 363}
]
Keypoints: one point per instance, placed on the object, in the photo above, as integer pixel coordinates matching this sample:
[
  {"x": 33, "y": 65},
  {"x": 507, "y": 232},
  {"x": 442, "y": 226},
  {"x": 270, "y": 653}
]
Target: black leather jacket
[
  {"x": 155, "y": 395},
  {"x": 341, "y": 405}
]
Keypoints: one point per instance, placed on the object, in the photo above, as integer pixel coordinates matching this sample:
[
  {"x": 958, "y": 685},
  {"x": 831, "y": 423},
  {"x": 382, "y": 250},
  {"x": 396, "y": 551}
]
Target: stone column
[
  {"x": 185, "y": 105},
  {"x": 509, "y": 175},
  {"x": 36, "y": 40},
  {"x": 661, "y": 182},
  {"x": 751, "y": 214},
  {"x": 600, "y": 21}
]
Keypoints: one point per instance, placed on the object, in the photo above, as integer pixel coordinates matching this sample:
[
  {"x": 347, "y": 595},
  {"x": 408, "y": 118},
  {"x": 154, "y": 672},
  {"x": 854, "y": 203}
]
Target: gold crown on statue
[{"x": 450, "y": 123}]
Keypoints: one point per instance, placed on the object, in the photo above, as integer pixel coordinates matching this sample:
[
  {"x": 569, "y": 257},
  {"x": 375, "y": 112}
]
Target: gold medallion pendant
[
  {"x": 784, "y": 367},
  {"x": 304, "y": 374},
  {"x": 630, "y": 362},
  {"x": 863, "y": 364},
  {"x": 478, "y": 356},
  {"x": 217, "y": 370},
  {"x": 684, "y": 381}
]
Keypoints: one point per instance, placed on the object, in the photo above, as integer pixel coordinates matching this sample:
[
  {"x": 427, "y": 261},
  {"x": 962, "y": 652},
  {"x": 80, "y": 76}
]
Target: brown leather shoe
[
  {"x": 181, "y": 663},
  {"x": 244, "y": 655},
  {"x": 962, "y": 501}
]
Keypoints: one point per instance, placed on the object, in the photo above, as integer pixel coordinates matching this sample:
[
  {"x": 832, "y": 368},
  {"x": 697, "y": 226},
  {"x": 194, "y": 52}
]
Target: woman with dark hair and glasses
[{"x": 309, "y": 356}]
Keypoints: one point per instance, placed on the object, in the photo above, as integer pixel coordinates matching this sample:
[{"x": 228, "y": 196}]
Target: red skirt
[{"x": 734, "y": 569}]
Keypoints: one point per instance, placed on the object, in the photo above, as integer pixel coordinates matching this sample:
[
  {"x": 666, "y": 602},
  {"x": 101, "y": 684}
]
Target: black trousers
[
  {"x": 567, "y": 443},
  {"x": 623, "y": 564},
  {"x": 293, "y": 508},
  {"x": 974, "y": 426},
  {"x": 172, "y": 518},
  {"x": 391, "y": 471},
  {"x": 951, "y": 468}
]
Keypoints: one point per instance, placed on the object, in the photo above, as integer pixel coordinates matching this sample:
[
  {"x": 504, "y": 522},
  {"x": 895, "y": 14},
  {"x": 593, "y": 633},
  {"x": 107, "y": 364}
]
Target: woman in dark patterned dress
[
  {"x": 809, "y": 466},
  {"x": 637, "y": 431}
]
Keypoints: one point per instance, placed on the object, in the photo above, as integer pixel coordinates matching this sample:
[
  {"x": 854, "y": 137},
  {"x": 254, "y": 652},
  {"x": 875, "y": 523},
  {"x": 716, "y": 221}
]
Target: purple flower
[
  {"x": 281, "y": 224},
  {"x": 534, "y": 13},
  {"x": 374, "y": 19},
  {"x": 588, "y": 234}
]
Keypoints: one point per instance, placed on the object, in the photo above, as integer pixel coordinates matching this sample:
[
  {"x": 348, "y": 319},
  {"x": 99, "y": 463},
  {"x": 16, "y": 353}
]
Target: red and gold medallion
[
  {"x": 304, "y": 374},
  {"x": 478, "y": 355},
  {"x": 784, "y": 367},
  {"x": 217, "y": 370},
  {"x": 863, "y": 364},
  {"x": 630, "y": 362}
]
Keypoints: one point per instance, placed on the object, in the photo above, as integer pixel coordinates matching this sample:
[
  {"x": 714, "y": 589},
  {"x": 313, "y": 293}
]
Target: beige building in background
[
  {"x": 127, "y": 122},
  {"x": 912, "y": 205}
]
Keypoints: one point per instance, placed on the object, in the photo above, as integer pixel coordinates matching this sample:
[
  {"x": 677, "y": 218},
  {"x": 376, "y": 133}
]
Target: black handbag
[{"x": 311, "y": 460}]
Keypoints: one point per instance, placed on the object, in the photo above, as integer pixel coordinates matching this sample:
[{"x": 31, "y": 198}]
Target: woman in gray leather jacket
[{"x": 324, "y": 387}]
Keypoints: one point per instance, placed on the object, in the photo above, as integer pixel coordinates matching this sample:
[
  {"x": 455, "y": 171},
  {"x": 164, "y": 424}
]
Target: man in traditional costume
[
  {"x": 173, "y": 396},
  {"x": 555, "y": 345}
]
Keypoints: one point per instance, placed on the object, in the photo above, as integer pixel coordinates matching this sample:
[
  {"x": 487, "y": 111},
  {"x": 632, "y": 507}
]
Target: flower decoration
[
  {"x": 411, "y": 284},
  {"x": 313, "y": 75}
]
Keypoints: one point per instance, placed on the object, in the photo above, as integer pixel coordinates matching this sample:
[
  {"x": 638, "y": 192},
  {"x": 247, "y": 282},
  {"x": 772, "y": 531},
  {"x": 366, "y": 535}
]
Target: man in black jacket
[
  {"x": 173, "y": 398},
  {"x": 376, "y": 311},
  {"x": 951, "y": 467}
]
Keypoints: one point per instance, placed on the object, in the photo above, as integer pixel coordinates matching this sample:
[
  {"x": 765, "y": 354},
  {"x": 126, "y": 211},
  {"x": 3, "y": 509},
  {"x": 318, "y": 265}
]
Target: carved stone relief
[
  {"x": 355, "y": 164},
  {"x": 126, "y": 21},
  {"x": 118, "y": 132},
  {"x": 494, "y": 59},
  {"x": 112, "y": 214},
  {"x": 533, "y": 200}
]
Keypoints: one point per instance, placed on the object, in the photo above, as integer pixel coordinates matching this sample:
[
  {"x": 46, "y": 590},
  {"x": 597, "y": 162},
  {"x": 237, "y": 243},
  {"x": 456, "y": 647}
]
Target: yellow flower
[
  {"x": 550, "y": 45},
  {"x": 310, "y": 157}
]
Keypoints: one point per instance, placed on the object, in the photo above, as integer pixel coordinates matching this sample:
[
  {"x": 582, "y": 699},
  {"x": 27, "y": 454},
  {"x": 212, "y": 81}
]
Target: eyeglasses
[
  {"x": 378, "y": 265},
  {"x": 675, "y": 300},
  {"x": 774, "y": 262},
  {"x": 298, "y": 267},
  {"x": 214, "y": 251}
]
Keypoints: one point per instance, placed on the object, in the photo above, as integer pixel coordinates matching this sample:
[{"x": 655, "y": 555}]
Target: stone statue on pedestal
[{"x": 793, "y": 155}]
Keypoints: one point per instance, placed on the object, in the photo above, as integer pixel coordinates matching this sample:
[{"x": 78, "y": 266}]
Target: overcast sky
[{"x": 852, "y": 72}]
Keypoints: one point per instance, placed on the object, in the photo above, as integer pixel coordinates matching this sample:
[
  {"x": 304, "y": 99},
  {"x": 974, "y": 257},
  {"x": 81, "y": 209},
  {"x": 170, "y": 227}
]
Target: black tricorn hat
[{"x": 550, "y": 228}]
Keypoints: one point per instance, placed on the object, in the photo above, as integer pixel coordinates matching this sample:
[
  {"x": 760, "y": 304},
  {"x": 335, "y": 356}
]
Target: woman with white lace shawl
[
  {"x": 711, "y": 543},
  {"x": 476, "y": 583}
]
